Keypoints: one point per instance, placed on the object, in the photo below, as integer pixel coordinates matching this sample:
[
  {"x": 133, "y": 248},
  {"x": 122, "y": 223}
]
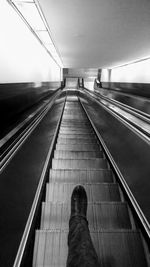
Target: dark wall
[{"x": 17, "y": 97}]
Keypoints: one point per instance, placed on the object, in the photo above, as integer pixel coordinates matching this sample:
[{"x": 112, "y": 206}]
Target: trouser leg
[{"x": 81, "y": 251}]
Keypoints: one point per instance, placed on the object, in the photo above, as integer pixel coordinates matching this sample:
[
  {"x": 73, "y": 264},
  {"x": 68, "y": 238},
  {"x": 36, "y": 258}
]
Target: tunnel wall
[{"x": 27, "y": 72}]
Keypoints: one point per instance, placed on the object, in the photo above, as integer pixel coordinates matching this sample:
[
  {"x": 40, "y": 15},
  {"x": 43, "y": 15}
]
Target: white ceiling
[{"x": 99, "y": 33}]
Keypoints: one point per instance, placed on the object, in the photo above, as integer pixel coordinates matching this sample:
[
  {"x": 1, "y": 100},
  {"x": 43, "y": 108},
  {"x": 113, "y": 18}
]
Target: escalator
[
  {"x": 79, "y": 159},
  {"x": 71, "y": 83}
]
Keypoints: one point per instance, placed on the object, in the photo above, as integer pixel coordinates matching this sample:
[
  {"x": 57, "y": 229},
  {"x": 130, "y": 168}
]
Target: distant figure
[{"x": 81, "y": 252}]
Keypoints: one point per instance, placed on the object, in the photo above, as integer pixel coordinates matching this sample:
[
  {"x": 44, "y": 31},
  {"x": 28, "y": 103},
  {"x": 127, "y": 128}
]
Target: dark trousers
[{"x": 81, "y": 252}]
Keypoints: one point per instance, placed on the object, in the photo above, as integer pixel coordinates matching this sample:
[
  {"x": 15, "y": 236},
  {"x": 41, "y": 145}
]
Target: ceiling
[{"x": 99, "y": 33}]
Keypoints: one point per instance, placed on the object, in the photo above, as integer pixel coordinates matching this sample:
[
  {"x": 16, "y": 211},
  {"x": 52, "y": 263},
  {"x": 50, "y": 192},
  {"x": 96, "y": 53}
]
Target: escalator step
[
  {"x": 60, "y": 193},
  {"x": 77, "y": 136},
  {"x": 114, "y": 249},
  {"x": 78, "y": 147},
  {"x": 77, "y": 120},
  {"x": 81, "y": 176},
  {"x": 74, "y": 115},
  {"x": 73, "y": 125},
  {"x": 106, "y": 215},
  {"x": 82, "y": 127},
  {"x": 62, "y": 154},
  {"x": 99, "y": 163},
  {"x": 76, "y": 141},
  {"x": 75, "y": 132}
]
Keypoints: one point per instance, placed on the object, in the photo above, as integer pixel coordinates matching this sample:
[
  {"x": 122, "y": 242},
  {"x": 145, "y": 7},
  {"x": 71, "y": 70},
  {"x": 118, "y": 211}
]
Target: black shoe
[{"x": 79, "y": 201}]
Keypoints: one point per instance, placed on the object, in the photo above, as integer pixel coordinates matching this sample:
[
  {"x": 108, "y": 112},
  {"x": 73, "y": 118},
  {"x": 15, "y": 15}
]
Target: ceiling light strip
[
  {"x": 49, "y": 46},
  {"x": 131, "y": 62}
]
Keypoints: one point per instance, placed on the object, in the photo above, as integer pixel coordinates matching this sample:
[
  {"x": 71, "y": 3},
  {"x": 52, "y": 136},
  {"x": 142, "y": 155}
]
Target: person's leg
[{"x": 81, "y": 251}]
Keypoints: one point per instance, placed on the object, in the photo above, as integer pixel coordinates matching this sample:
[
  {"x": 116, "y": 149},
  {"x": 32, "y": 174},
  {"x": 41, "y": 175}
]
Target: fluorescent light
[
  {"x": 131, "y": 62},
  {"x": 44, "y": 37},
  {"x": 51, "y": 49},
  {"x": 33, "y": 15}
]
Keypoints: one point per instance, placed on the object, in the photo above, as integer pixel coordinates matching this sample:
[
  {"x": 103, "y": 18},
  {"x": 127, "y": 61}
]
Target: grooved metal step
[
  {"x": 79, "y": 164},
  {"x": 82, "y": 128},
  {"x": 77, "y": 136},
  {"x": 76, "y": 141},
  {"x": 56, "y": 192},
  {"x": 75, "y": 131},
  {"x": 73, "y": 122},
  {"x": 114, "y": 248},
  {"x": 74, "y": 125},
  {"x": 106, "y": 215},
  {"x": 81, "y": 176},
  {"x": 62, "y": 154},
  {"x": 77, "y": 147}
]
